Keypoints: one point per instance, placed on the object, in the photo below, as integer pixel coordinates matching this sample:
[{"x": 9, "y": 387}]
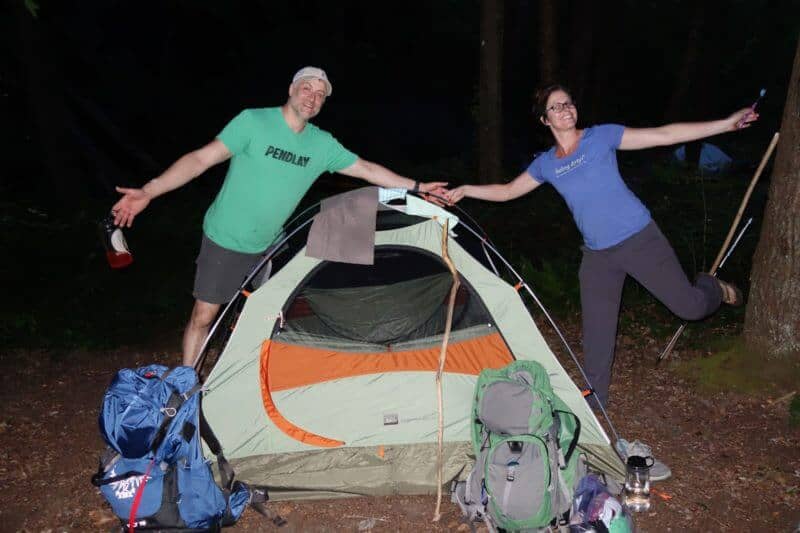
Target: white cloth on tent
[
  {"x": 387, "y": 195},
  {"x": 419, "y": 207}
]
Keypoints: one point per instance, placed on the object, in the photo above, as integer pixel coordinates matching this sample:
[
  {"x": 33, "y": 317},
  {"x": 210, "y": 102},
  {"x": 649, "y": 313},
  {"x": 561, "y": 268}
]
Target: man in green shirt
[{"x": 275, "y": 156}]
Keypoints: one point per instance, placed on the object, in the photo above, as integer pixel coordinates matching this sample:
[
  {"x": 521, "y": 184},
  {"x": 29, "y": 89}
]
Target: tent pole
[
  {"x": 552, "y": 322},
  {"x": 200, "y": 358}
]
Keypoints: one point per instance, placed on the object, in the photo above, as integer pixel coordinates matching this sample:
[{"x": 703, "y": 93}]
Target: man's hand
[
  {"x": 434, "y": 191},
  {"x": 132, "y": 203}
]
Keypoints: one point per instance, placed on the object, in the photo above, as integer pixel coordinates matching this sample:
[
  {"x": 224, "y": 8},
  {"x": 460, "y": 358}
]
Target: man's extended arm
[
  {"x": 383, "y": 177},
  {"x": 181, "y": 172}
]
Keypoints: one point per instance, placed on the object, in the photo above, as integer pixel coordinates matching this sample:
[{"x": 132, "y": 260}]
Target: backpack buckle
[{"x": 511, "y": 470}]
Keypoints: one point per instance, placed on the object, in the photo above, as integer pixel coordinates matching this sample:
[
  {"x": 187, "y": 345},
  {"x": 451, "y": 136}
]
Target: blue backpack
[{"x": 154, "y": 474}]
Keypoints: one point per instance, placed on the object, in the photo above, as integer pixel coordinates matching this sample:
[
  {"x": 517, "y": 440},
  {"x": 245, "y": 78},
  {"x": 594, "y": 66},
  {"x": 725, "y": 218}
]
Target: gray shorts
[{"x": 220, "y": 272}]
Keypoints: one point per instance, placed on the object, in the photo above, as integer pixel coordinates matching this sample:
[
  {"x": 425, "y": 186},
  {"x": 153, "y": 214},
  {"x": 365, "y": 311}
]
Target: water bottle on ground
[{"x": 636, "y": 495}]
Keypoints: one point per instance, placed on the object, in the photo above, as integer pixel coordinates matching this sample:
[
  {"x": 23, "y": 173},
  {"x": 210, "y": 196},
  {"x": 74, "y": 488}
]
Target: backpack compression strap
[
  {"x": 258, "y": 495},
  {"x": 97, "y": 478},
  {"x": 226, "y": 472}
]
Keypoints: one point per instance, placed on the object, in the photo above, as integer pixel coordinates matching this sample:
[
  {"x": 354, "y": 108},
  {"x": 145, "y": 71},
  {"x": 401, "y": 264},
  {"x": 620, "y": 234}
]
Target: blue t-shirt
[{"x": 604, "y": 208}]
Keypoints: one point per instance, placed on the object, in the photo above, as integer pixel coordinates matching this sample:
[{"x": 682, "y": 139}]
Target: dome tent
[
  {"x": 710, "y": 158},
  {"x": 326, "y": 386}
]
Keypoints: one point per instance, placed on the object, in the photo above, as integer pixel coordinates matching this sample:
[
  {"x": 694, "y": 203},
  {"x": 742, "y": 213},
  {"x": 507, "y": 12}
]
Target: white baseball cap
[{"x": 314, "y": 72}]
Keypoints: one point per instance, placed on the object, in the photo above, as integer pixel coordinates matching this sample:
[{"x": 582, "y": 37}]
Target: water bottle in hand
[{"x": 117, "y": 252}]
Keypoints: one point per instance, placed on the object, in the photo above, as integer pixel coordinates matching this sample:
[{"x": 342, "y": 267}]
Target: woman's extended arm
[
  {"x": 500, "y": 192},
  {"x": 639, "y": 138}
]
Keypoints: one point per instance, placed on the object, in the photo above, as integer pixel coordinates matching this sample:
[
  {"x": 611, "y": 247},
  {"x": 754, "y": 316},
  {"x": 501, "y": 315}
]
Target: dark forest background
[{"x": 101, "y": 93}]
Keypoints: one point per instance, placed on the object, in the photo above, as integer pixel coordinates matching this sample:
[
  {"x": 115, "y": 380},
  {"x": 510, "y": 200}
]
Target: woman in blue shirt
[{"x": 620, "y": 237}]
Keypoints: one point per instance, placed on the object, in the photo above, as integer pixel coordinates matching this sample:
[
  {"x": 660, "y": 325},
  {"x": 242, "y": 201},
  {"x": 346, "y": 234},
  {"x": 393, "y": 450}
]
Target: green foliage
[
  {"x": 695, "y": 212},
  {"x": 673, "y": 174},
  {"x": 554, "y": 282},
  {"x": 33, "y": 8},
  {"x": 60, "y": 292},
  {"x": 794, "y": 411},
  {"x": 732, "y": 366}
]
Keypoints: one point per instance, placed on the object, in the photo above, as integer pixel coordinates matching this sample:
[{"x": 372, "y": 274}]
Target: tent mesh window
[{"x": 398, "y": 303}]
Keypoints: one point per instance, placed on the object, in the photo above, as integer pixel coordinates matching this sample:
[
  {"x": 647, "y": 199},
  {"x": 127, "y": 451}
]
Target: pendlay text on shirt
[
  {"x": 287, "y": 156},
  {"x": 572, "y": 165}
]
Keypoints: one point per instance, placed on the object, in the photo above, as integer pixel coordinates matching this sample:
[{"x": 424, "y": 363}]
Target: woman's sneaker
[
  {"x": 731, "y": 294},
  {"x": 658, "y": 472}
]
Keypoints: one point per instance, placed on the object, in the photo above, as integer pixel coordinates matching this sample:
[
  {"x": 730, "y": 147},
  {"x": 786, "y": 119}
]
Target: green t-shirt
[{"x": 271, "y": 169}]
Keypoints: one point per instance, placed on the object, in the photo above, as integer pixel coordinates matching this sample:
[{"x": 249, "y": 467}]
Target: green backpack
[{"x": 524, "y": 438}]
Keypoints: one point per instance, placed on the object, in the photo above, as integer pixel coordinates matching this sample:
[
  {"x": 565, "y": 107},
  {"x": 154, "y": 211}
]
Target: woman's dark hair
[{"x": 542, "y": 94}]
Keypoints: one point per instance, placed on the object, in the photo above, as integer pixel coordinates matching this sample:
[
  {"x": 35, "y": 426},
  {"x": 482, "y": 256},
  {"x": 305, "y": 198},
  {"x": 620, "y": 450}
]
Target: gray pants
[{"x": 650, "y": 260}]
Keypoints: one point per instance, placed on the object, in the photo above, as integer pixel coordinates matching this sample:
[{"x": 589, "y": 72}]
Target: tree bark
[
  {"x": 772, "y": 322},
  {"x": 688, "y": 75},
  {"x": 490, "y": 141},
  {"x": 62, "y": 186},
  {"x": 581, "y": 48},
  {"x": 548, "y": 43}
]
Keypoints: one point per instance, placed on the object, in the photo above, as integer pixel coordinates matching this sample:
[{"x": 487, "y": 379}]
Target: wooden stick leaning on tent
[
  {"x": 721, "y": 254},
  {"x": 442, "y": 358}
]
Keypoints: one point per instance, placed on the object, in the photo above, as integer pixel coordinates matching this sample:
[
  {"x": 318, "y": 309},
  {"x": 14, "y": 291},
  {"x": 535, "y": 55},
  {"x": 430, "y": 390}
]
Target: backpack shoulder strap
[{"x": 574, "y": 442}]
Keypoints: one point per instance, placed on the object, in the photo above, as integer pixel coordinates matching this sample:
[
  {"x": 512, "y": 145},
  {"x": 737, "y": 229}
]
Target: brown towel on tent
[{"x": 344, "y": 229}]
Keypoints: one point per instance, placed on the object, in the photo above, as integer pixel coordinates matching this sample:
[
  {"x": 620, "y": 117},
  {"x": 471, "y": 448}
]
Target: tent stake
[
  {"x": 721, "y": 253},
  {"x": 442, "y": 358}
]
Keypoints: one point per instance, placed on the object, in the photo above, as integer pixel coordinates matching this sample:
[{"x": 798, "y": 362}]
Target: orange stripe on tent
[
  {"x": 277, "y": 418},
  {"x": 293, "y": 366}
]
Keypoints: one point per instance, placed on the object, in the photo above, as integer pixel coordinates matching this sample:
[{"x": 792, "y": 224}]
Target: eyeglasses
[{"x": 560, "y": 106}]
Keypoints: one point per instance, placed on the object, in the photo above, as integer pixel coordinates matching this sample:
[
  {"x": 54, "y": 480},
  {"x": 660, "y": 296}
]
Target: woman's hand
[
  {"x": 742, "y": 119},
  {"x": 495, "y": 192},
  {"x": 455, "y": 195}
]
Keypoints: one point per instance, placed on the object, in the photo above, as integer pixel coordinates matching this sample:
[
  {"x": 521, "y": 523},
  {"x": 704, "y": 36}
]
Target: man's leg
[
  {"x": 219, "y": 274},
  {"x": 601, "y": 291},
  {"x": 203, "y": 314}
]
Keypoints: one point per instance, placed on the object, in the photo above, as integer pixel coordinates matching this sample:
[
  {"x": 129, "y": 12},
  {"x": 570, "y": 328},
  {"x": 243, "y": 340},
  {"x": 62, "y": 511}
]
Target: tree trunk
[
  {"x": 491, "y": 118},
  {"x": 548, "y": 42},
  {"x": 772, "y": 322},
  {"x": 687, "y": 78},
  {"x": 581, "y": 48},
  {"x": 44, "y": 81}
]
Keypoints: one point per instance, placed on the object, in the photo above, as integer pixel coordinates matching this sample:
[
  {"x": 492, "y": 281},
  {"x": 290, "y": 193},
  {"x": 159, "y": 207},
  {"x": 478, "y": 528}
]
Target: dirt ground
[{"x": 735, "y": 460}]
